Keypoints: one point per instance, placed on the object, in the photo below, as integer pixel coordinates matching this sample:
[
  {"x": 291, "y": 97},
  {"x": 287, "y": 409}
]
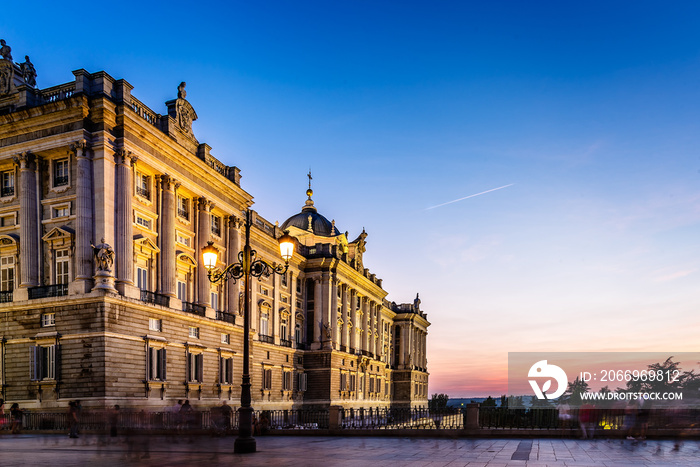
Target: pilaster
[
  {"x": 124, "y": 231},
  {"x": 28, "y": 245},
  {"x": 84, "y": 267}
]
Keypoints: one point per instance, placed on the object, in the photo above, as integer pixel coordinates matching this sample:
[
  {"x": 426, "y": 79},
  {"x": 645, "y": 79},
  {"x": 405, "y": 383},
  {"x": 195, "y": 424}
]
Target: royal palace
[{"x": 105, "y": 208}]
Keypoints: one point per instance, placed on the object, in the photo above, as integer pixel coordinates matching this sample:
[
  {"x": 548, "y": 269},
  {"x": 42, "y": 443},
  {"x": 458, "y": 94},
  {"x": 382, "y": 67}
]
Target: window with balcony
[
  {"x": 143, "y": 185},
  {"x": 216, "y": 225},
  {"x": 60, "y": 173},
  {"x": 62, "y": 261},
  {"x": 183, "y": 207},
  {"x": 7, "y": 273},
  {"x": 7, "y": 179},
  {"x": 142, "y": 278}
]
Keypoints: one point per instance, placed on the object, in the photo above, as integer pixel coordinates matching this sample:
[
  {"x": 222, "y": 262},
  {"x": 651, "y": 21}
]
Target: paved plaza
[{"x": 278, "y": 451}]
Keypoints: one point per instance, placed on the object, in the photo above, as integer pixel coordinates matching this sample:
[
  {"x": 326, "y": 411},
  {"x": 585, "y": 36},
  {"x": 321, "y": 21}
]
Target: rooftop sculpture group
[{"x": 26, "y": 68}]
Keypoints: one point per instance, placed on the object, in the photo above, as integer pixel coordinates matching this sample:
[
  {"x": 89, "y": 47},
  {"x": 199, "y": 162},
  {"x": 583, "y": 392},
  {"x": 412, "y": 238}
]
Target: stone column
[
  {"x": 352, "y": 331},
  {"x": 402, "y": 346},
  {"x": 365, "y": 324},
  {"x": 234, "y": 247},
  {"x": 373, "y": 309},
  {"x": 167, "y": 237},
  {"x": 318, "y": 314},
  {"x": 124, "y": 238},
  {"x": 335, "y": 333},
  {"x": 203, "y": 236},
  {"x": 28, "y": 228},
  {"x": 292, "y": 308},
  {"x": 84, "y": 267},
  {"x": 344, "y": 334}
]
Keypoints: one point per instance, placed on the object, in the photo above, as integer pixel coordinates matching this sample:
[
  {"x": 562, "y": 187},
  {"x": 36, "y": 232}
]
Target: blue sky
[{"x": 589, "y": 110}]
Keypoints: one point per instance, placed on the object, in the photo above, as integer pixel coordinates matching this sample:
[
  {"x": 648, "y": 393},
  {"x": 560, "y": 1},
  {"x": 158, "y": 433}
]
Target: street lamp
[{"x": 246, "y": 267}]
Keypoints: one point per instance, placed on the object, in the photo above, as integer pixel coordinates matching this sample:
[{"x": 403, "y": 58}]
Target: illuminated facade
[{"x": 105, "y": 208}]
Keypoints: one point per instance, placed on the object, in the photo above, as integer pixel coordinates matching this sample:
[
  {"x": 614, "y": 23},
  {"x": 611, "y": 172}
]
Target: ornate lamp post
[{"x": 246, "y": 267}]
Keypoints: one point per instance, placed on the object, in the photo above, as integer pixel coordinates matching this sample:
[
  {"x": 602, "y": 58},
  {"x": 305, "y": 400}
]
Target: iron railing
[
  {"x": 60, "y": 181},
  {"x": 194, "y": 308},
  {"x": 5, "y": 296},
  {"x": 372, "y": 418},
  {"x": 45, "y": 291},
  {"x": 228, "y": 317},
  {"x": 8, "y": 191},
  {"x": 143, "y": 192},
  {"x": 268, "y": 339},
  {"x": 155, "y": 298},
  {"x": 285, "y": 342},
  {"x": 184, "y": 213}
]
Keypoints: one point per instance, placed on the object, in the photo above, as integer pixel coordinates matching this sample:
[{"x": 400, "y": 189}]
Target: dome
[{"x": 311, "y": 221}]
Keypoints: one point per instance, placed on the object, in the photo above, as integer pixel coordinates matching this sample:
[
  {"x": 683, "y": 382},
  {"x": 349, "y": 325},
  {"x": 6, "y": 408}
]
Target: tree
[
  {"x": 575, "y": 389},
  {"x": 438, "y": 402}
]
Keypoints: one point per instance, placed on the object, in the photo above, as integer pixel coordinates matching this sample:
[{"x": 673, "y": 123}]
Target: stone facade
[{"x": 105, "y": 208}]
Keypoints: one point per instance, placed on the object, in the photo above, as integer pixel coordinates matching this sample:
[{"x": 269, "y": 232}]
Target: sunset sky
[{"x": 576, "y": 124}]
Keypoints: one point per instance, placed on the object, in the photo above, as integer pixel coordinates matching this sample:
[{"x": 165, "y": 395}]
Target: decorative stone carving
[
  {"x": 184, "y": 113},
  {"x": 104, "y": 256},
  {"x": 28, "y": 71}
]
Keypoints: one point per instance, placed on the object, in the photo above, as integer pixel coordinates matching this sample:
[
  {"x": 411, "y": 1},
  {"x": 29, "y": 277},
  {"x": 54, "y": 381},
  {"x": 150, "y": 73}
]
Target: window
[
  {"x": 194, "y": 332},
  {"x": 42, "y": 362},
  {"x": 267, "y": 378},
  {"x": 215, "y": 300},
  {"x": 352, "y": 382},
  {"x": 60, "y": 172},
  {"x": 7, "y": 221},
  {"x": 182, "y": 291},
  {"x": 62, "y": 267},
  {"x": 225, "y": 370},
  {"x": 301, "y": 381},
  {"x": 7, "y": 273},
  {"x": 264, "y": 291},
  {"x": 287, "y": 380},
  {"x": 155, "y": 324},
  {"x": 298, "y": 285},
  {"x": 343, "y": 382},
  {"x": 48, "y": 319},
  {"x": 142, "y": 278},
  {"x": 183, "y": 207},
  {"x": 8, "y": 183},
  {"x": 225, "y": 338},
  {"x": 60, "y": 211},
  {"x": 265, "y": 321},
  {"x": 283, "y": 329},
  {"x": 283, "y": 280},
  {"x": 297, "y": 333},
  {"x": 216, "y": 225},
  {"x": 143, "y": 222},
  {"x": 195, "y": 367},
  {"x": 182, "y": 239},
  {"x": 156, "y": 362},
  {"x": 371, "y": 385},
  {"x": 360, "y": 387},
  {"x": 143, "y": 185}
]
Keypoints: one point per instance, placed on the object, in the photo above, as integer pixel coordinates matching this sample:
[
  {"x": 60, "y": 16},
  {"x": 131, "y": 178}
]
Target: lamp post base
[{"x": 244, "y": 445}]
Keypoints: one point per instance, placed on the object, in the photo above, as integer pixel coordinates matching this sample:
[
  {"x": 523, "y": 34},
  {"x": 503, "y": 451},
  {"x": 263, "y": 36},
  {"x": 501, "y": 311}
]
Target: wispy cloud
[
  {"x": 674, "y": 275},
  {"x": 470, "y": 196}
]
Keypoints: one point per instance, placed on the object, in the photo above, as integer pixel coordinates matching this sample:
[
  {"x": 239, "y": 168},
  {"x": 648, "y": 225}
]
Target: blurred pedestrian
[
  {"x": 16, "y": 414},
  {"x": 2, "y": 414},
  {"x": 73, "y": 419},
  {"x": 113, "y": 421}
]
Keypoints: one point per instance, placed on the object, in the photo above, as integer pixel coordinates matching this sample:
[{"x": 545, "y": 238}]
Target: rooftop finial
[{"x": 309, "y": 205}]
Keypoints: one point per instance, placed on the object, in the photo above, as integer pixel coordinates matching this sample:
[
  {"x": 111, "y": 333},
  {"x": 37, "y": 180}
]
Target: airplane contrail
[{"x": 470, "y": 196}]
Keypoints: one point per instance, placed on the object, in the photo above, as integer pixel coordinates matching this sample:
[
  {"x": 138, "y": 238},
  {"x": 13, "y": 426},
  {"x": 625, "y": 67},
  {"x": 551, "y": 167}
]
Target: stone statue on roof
[
  {"x": 5, "y": 50},
  {"x": 28, "y": 71}
]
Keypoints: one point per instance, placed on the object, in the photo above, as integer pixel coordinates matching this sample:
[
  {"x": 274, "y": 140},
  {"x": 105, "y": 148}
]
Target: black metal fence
[
  {"x": 354, "y": 419},
  {"x": 45, "y": 291}
]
